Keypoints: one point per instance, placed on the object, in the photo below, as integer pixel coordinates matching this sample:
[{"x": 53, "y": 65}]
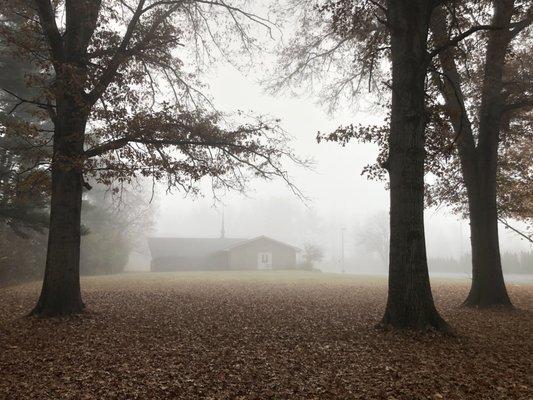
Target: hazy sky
[{"x": 340, "y": 196}]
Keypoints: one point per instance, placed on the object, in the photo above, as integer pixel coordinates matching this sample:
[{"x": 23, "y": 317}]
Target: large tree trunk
[
  {"x": 488, "y": 286},
  {"x": 410, "y": 302},
  {"x": 479, "y": 162},
  {"x": 61, "y": 294}
]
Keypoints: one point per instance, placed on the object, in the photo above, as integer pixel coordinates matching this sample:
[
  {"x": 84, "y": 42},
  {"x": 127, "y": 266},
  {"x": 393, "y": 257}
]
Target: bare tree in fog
[
  {"x": 115, "y": 226},
  {"x": 373, "y": 236},
  {"x": 123, "y": 104},
  {"x": 312, "y": 254}
]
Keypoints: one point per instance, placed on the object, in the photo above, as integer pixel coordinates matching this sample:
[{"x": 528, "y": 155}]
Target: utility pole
[
  {"x": 222, "y": 229},
  {"x": 342, "y": 250},
  {"x": 460, "y": 240}
]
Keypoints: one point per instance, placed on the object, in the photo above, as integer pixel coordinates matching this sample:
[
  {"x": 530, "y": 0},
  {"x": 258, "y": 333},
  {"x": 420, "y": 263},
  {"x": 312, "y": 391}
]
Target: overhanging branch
[
  {"x": 522, "y": 234},
  {"x": 458, "y": 38}
]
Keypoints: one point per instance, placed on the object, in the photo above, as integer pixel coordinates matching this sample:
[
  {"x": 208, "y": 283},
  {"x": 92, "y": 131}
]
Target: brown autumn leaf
[{"x": 255, "y": 335}]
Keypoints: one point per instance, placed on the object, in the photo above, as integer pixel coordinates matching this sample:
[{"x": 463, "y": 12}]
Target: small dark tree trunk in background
[
  {"x": 410, "y": 302},
  {"x": 61, "y": 294}
]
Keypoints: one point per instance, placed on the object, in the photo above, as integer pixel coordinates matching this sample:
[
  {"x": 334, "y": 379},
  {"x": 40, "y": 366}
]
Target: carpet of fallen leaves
[{"x": 259, "y": 335}]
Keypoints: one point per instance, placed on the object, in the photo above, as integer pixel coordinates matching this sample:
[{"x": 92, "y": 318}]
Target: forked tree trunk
[
  {"x": 488, "y": 286},
  {"x": 410, "y": 302},
  {"x": 61, "y": 294},
  {"x": 479, "y": 162}
]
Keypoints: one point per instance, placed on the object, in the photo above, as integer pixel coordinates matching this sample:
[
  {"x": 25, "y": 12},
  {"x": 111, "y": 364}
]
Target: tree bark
[
  {"x": 61, "y": 294},
  {"x": 488, "y": 285},
  {"x": 410, "y": 302},
  {"x": 479, "y": 161}
]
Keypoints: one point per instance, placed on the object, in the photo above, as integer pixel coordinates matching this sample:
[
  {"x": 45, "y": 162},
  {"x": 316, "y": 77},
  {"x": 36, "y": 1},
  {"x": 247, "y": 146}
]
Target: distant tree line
[
  {"x": 512, "y": 263},
  {"x": 372, "y": 239}
]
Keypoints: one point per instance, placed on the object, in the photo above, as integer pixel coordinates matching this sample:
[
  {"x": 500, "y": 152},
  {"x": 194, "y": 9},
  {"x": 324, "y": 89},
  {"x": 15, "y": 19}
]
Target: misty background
[
  {"x": 343, "y": 213},
  {"x": 340, "y": 202}
]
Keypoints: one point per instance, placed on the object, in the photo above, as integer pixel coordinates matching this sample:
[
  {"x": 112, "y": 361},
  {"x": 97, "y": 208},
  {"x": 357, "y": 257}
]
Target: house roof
[
  {"x": 189, "y": 247},
  {"x": 245, "y": 242},
  {"x": 200, "y": 247}
]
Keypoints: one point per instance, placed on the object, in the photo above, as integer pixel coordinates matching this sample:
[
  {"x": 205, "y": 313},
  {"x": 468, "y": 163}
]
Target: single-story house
[{"x": 197, "y": 254}]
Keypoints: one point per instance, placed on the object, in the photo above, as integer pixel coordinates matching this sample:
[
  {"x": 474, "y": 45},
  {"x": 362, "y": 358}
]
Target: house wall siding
[
  {"x": 164, "y": 264},
  {"x": 245, "y": 256},
  {"x": 217, "y": 261}
]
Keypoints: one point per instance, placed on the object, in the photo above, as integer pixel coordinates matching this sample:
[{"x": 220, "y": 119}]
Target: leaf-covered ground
[{"x": 262, "y": 335}]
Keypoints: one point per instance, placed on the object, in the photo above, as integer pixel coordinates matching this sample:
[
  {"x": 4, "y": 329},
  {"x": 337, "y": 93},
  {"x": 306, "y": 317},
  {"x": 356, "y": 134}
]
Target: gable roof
[
  {"x": 188, "y": 247},
  {"x": 245, "y": 242},
  {"x": 200, "y": 247}
]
